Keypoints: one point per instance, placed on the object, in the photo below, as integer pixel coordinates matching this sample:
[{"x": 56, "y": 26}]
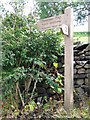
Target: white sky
[
  {"x": 81, "y": 28},
  {"x": 30, "y": 7}
]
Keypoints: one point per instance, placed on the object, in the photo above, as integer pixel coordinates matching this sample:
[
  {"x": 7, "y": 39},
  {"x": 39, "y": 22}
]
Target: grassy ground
[
  {"x": 82, "y": 36},
  {"x": 52, "y": 109}
]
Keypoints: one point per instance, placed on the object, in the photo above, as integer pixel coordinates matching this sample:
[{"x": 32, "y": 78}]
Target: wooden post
[
  {"x": 64, "y": 22},
  {"x": 68, "y": 84}
]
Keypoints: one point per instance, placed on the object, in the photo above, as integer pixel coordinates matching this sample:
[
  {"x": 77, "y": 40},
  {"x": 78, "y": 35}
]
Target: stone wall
[{"x": 81, "y": 69}]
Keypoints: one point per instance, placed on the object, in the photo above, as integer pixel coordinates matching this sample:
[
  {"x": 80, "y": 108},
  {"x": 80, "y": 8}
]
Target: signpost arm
[{"x": 68, "y": 84}]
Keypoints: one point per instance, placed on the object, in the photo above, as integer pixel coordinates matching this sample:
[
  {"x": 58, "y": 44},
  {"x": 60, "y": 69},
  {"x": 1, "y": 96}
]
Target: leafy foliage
[
  {"x": 27, "y": 55},
  {"x": 48, "y": 9}
]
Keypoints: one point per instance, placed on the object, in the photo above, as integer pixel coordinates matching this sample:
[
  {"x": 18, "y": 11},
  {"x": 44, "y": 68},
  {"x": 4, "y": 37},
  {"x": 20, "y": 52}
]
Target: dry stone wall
[{"x": 81, "y": 69}]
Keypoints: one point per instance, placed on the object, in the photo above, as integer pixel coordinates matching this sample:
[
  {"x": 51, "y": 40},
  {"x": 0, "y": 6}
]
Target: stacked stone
[
  {"x": 82, "y": 69},
  {"x": 43, "y": 90},
  {"x": 61, "y": 64}
]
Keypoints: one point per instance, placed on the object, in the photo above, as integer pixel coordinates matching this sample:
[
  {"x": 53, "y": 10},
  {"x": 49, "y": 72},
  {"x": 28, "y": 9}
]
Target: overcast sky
[{"x": 30, "y": 7}]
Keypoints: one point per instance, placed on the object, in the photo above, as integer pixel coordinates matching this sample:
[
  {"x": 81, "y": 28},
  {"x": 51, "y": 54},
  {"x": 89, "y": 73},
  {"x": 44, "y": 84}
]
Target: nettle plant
[{"x": 28, "y": 55}]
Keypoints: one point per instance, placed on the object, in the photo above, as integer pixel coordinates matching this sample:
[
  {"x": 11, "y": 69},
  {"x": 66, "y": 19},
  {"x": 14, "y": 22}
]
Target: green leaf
[
  {"x": 31, "y": 107},
  {"x": 59, "y": 90},
  {"x": 55, "y": 65}
]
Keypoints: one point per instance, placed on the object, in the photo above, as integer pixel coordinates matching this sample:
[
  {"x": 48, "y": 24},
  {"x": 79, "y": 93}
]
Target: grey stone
[
  {"x": 80, "y": 91},
  {"x": 88, "y": 71},
  {"x": 82, "y": 70},
  {"x": 50, "y": 91},
  {"x": 76, "y": 58},
  {"x": 88, "y": 75},
  {"x": 85, "y": 58},
  {"x": 86, "y": 81},
  {"x": 62, "y": 70},
  {"x": 87, "y": 66},
  {"x": 39, "y": 99},
  {"x": 87, "y": 54},
  {"x": 80, "y": 81},
  {"x": 78, "y": 66},
  {"x": 80, "y": 76},
  {"x": 75, "y": 71},
  {"x": 87, "y": 48},
  {"x": 62, "y": 59},
  {"x": 82, "y": 55},
  {"x": 41, "y": 90},
  {"x": 81, "y": 52},
  {"x": 81, "y": 62},
  {"x": 45, "y": 85},
  {"x": 60, "y": 64}
]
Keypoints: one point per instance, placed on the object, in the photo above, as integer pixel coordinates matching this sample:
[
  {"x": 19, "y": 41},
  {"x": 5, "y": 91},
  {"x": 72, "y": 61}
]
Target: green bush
[{"x": 27, "y": 54}]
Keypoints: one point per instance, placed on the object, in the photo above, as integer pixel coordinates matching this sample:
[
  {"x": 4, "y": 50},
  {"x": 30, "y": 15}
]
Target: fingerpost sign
[{"x": 65, "y": 23}]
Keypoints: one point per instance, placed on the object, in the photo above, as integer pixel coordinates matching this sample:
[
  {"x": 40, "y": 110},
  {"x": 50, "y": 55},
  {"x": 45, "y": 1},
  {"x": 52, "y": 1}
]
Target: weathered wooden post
[
  {"x": 68, "y": 83},
  {"x": 64, "y": 22}
]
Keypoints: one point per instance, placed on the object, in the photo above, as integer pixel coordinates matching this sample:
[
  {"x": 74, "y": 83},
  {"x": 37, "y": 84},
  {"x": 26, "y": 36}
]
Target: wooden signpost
[
  {"x": 51, "y": 22},
  {"x": 68, "y": 93},
  {"x": 64, "y": 22}
]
